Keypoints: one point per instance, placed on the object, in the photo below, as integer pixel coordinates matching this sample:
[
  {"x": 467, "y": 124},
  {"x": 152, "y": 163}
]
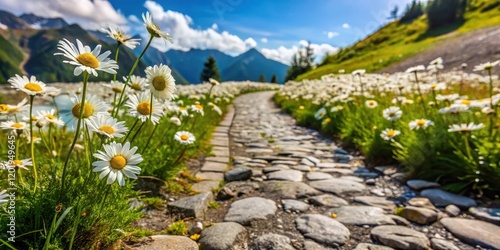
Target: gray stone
[
  {"x": 196, "y": 228},
  {"x": 224, "y": 236},
  {"x": 487, "y": 214},
  {"x": 365, "y": 173},
  {"x": 307, "y": 162},
  {"x": 421, "y": 184},
  {"x": 218, "y": 159},
  {"x": 313, "y": 159},
  {"x": 338, "y": 186},
  {"x": 380, "y": 202},
  {"x": 340, "y": 151},
  {"x": 367, "y": 246},
  {"x": 322, "y": 229},
  {"x": 473, "y": 232},
  {"x": 275, "y": 168},
  {"x": 225, "y": 193},
  {"x": 286, "y": 175},
  {"x": 353, "y": 178},
  {"x": 400, "y": 237},
  {"x": 311, "y": 245},
  {"x": 441, "y": 198},
  {"x": 302, "y": 168},
  {"x": 250, "y": 209},
  {"x": 399, "y": 220},
  {"x": 205, "y": 186},
  {"x": 317, "y": 176},
  {"x": 419, "y": 215},
  {"x": 421, "y": 202},
  {"x": 272, "y": 242},
  {"x": 168, "y": 242},
  {"x": 361, "y": 215},
  {"x": 337, "y": 170},
  {"x": 328, "y": 200},
  {"x": 243, "y": 187},
  {"x": 289, "y": 163},
  {"x": 257, "y": 145},
  {"x": 295, "y": 205},
  {"x": 214, "y": 167},
  {"x": 452, "y": 210},
  {"x": 288, "y": 189},
  {"x": 210, "y": 176},
  {"x": 342, "y": 158},
  {"x": 238, "y": 174},
  {"x": 255, "y": 165},
  {"x": 259, "y": 151},
  {"x": 192, "y": 206},
  {"x": 440, "y": 244}
]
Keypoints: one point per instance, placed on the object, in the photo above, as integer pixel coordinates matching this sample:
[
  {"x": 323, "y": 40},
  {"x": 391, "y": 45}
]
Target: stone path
[{"x": 286, "y": 187}]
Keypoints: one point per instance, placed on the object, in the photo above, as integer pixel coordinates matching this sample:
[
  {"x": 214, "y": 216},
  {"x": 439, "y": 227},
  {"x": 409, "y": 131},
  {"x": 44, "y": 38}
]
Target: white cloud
[
  {"x": 285, "y": 55},
  {"x": 185, "y": 37},
  {"x": 346, "y": 26},
  {"x": 264, "y": 40},
  {"x": 332, "y": 34},
  {"x": 87, "y": 13},
  {"x": 215, "y": 26}
]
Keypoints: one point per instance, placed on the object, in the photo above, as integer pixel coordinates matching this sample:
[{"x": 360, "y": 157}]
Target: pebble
[{"x": 323, "y": 229}]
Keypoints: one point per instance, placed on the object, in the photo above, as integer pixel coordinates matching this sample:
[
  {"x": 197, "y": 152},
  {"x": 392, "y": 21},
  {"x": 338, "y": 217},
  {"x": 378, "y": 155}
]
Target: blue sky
[{"x": 277, "y": 28}]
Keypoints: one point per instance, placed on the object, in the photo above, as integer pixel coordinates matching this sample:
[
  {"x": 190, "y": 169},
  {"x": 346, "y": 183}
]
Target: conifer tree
[{"x": 210, "y": 70}]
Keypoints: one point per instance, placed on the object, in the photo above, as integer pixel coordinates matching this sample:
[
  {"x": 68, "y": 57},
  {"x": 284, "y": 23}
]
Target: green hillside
[
  {"x": 398, "y": 41},
  {"x": 10, "y": 59}
]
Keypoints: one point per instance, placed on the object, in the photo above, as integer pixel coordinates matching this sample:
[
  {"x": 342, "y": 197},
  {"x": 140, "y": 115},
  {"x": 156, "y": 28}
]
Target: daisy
[
  {"x": 115, "y": 86},
  {"x": 19, "y": 108},
  {"x": 392, "y": 113},
  {"x": 13, "y": 125},
  {"x": 486, "y": 66},
  {"x": 20, "y": 163},
  {"x": 415, "y": 69},
  {"x": 116, "y": 161},
  {"x": 49, "y": 117},
  {"x": 371, "y": 104},
  {"x": 30, "y": 85},
  {"x": 137, "y": 83},
  {"x": 104, "y": 124},
  {"x": 175, "y": 120},
  {"x": 435, "y": 86},
  {"x": 122, "y": 38},
  {"x": 140, "y": 107},
  {"x": 197, "y": 108},
  {"x": 465, "y": 127},
  {"x": 420, "y": 123},
  {"x": 93, "y": 106},
  {"x": 215, "y": 108},
  {"x": 336, "y": 109},
  {"x": 320, "y": 114},
  {"x": 389, "y": 134},
  {"x": 85, "y": 59},
  {"x": 182, "y": 111},
  {"x": 153, "y": 29},
  {"x": 3, "y": 196},
  {"x": 359, "y": 72},
  {"x": 184, "y": 137},
  {"x": 161, "y": 82},
  {"x": 213, "y": 82}
]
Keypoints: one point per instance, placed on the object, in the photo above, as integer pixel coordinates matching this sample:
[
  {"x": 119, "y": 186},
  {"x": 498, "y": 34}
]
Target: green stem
[
  {"x": 33, "y": 144},
  {"x": 55, "y": 104},
  {"x": 149, "y": 139},
  {"x": 467, "y": 147},
  {"x": 420, "y": 94},
  {"x": 491, "y": 104},
  {"x": 151, "y": 107},
  {"x": 130, "y": 131},
  {"x": 77, "y": 132},
  {"x": 116, "y": 59},
  {"x": 137, "y": 132}
]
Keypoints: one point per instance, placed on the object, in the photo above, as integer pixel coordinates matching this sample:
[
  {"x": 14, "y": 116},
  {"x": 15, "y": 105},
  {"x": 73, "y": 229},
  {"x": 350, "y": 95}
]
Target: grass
[{"x": 397, "y": 42}]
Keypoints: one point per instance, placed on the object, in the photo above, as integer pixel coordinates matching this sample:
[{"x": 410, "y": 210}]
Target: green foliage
[
  {"x": 210, "y": 70},
  {"x": 274, "y": 79},
  {"x": 413, "y": 11},
  {"x": 443, "y": 12},
  {"x": 213, "y": 205},
  {"x": 262, "y": 78},
  {"x": 154, "y": 202},
  {"x": 302, "y": 62},
  {"x": 177, "y": 228},
  {"x": 10, "y": 59}
]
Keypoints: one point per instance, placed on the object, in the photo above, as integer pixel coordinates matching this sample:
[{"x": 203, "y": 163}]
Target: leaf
[{"x": 63, "y": 215}]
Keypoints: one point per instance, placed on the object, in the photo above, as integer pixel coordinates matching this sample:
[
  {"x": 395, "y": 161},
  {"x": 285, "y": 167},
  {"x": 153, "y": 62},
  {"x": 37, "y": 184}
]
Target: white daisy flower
[
  {"x": 93, "y": 106},
  {"x": 3, "y": 196},
  {"x": 392, "y": 113},
  {"x": 161, "y": 82},
  {"x": 122, "y": 38},
  {"x": 104, "y": 124},
  {"x": 184, "y": 137},
  {"x": 115, "y": 86},
  {"x": 49, "y": 117},
  {"x": 175, "y": 120},
  {"x": 465, "y": 127},
  {"x": 415, "y": 69},
  {"x": 359, "y": 72},
  {"x": 12, "y": 125},
  {"x": 116, "y": 161},
  {"x": 153, "y": 29},
  {"x": 320, "y": 113},
  {"x": 20, "y": 163},
  {"x": 140, "y": 107},
  {"x": 198, "y": 108},
  {"x": 182, "y": 111},
  {"x": 30, "y": 85},
  {"x": 86, "y": 59},
  {"x": 389, "y": 134},
  {"x": 336, "y": 109},
  {"x": 486, "y": 66},
  {"x": 371, "y": 104},
  {"x": 213, "y": 82},
  {"x": 215, "y": 108},
  {"x": 19, "y": 108},
  {"x": 420, "y": 123},
  {"x": 137, "y": 83}
]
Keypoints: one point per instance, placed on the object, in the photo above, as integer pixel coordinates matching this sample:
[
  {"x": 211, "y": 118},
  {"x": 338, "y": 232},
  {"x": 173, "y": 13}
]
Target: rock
[
  {"x": 452, "y": 210},
  {"x": 225, "y": 194},
  {"x": 419, "y": 215},
  {"x": 365, "y": 173},
  {"x": 272, "y": 242},
  {"x": 400, "y": 237},
  {"x": 224, "y": 236},
  {"x": 380, "y": 202},
  {"x": 243, "y": 187},
  {"x": 302, "y": 168},
  {"x": 274, "y": 168},
  {"x": 322, "y": 229},
  {"x": 487, "y": 214},
  {"x": 421, "y": 202},
  {"x": 361, "y": 215},
  {"x": 399, "y": 220},
  {"x": 196, "y": 228},
  {"x": 261, "y": 151},
  {"x": 249, "y": 209},
  {"x": 370, "y": 182},
  {"x": 328, "y": 200},
  {"x": 421, "y": 184},
  {"x": 342, "y": 158},
  {"x": 215, "y": 176},
  {"x": 169, "y": 242},
  {"x": 307, "y": 162},
  {"x": 205, "y": 186},
  {"x": 354, "y": 178},
  {"x": 441, "y": 198},
  {"x": 340, "y": 151},
  {"x": 338, "y": 186},
  {"x": 286, "y": 175},
  {"x": 440, "y": 244},
  {"x": 295, "y": 205},
  {"x": 238, "y": 174},
  {"x": 192, "y": 206},
  {"x": 210, "y": 166},
  {"x": 288, "y": 189},
  {"x": 473, "y": 232},
  {"x": 317, "y": 176},
  {"x": 367, "y": 246},
  {"x": 313, "y": 159}
]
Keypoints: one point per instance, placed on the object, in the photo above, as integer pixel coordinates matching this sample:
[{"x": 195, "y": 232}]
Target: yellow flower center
[
  {"x": 33, "y": 118},
  {"x": 327, "y": 120},
  {"x": 33, "y": 87},
  {"x": 144, "y": 108},
  {"x": 107, "y": 129},
  {"x": 4, "y": 108},
  {"x": 433, "y": 86},
  {"x": 89, "y": 60},
  {"x": 391, "y": 133},
  {"x": 49, "y": 116},
  {"x": 88, "y": 110},
  {"x": 18, "y": 163},
  {"x": 184, "y": 137},
  {"x": 153, "y": 29},
  {"x": 420, "y": 123},
  {"x": 116, "y": 90},
  {"x": 118, "y": 162},
  {"x": 182, "y": 108},
  {"x": 135, "y": 86},
  {"x": 371, "y": 103},
  {"x": 16, "y": 125},
  {"x": 392, "y": 114},
  {"x": 159, "y": 83},
  {"x": 198, "y": 106},
  {"x": 466, "y": 102}
]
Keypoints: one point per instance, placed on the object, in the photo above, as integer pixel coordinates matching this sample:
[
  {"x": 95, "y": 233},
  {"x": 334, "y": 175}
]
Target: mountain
[
  {"x": 11, "y": 57},
  {"x": 13, "y": 22},
  {"x": 250, "y": 65},
  {"x": 43, "y": 22}
]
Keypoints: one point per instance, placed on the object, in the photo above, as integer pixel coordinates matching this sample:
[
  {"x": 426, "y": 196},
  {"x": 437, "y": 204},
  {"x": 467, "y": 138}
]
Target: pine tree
[
  {"x": 274, "y": 79},
  {"x": 394, "y": 13},
  {"x": 302, "y": 62},
  {"x": 210, "y": 70},
  {"x": 262, "y": 78},
  {"x": 413, "y": 11},
  {"x": 443, "y": 12}
]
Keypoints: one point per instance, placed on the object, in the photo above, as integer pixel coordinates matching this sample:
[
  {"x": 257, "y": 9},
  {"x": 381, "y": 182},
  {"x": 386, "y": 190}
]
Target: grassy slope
[
  {"x": 10, "y": 59},
  {"x": 396, "y": 42}
]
